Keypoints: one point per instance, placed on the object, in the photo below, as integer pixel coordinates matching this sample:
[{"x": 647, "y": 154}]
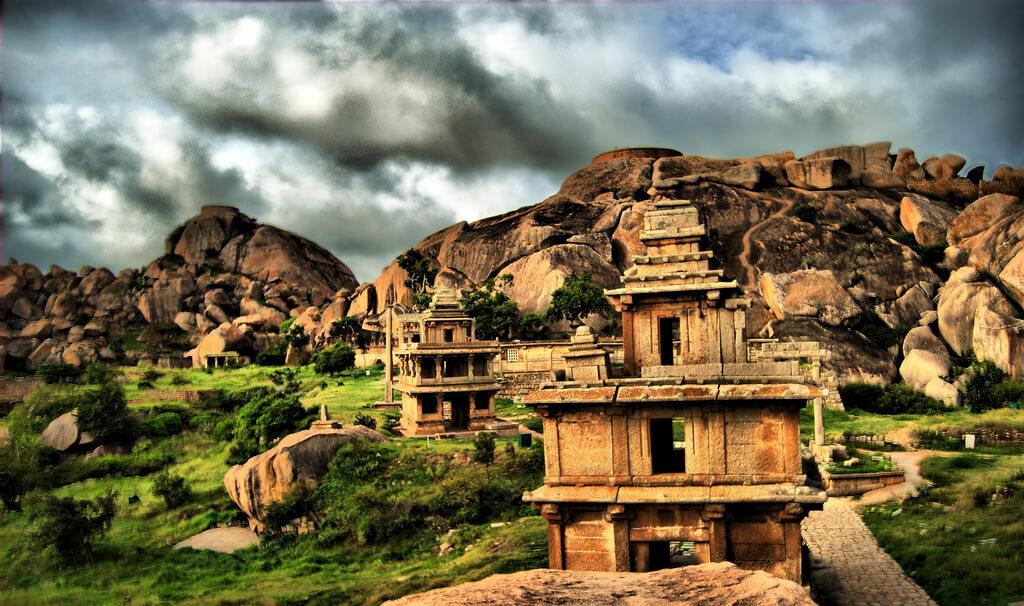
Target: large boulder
[
  {"x": 538, "y": 275},
  {"x": 818, "y": 173},
  {"x": 859, "y": 157},
  {"x": 63, "y": 434},
  {"x": 959, "y": 299},
  {"x": 298, "y": 462},
  {"x": 946, "y": 167},
  {"x": 920, "y": 367},
  {"x": 37, "y": 329},
  {"x": 907, "y": 310},
  {"x": 225, "y": 337},
  {"x": 717, "y": 583},
  {"x": 927, "y": 219},
  {"x": 877, "y": 177},
  {"x": 81, "y": 353},
  {"x": 906, "y": 165},
  {"x": 61, "y": 304},
  {"x": 944, "y": 392},
  {"x": 160, "y": 304},
  {"x": 999, "y": 338},
  {"x": 981, "y": 215},
  {"x": 922, "y": 337},
  {"x": 265, "y": 316},
  {"x": 992, "y": 229},
  {"x": 810, "y": 293}
]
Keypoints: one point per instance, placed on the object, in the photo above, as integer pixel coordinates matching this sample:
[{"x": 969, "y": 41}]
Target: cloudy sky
[{"x": 366, "y": 126}]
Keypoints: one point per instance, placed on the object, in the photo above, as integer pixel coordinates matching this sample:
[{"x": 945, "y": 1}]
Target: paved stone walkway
[{"x": 869, "y": 576}]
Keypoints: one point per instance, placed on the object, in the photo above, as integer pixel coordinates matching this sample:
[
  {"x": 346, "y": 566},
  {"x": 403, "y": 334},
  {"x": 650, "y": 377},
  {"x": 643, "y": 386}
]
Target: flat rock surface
[
  {"x": 224, "y": 540},
  {"x": 706, "y": 584}
]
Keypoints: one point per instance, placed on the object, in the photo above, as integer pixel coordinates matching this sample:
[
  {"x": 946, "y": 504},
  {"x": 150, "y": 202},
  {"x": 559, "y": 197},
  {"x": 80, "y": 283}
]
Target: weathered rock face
[
  {"x": 225, "y": 337},
  {"x": 818, "y": 173},
  {"x": 908, "y": 309},
  {"x": 299, "y": 461},
  {"x": 922, "y": 337},
  {"x": 944, "y": 392},
  {"x": 999, "y": 338},
  {"x": 539, "y": 274},
  {"x": 810, "y": 293},
  {"x": 906, "y": 165},
  {"x": 927, "y": 219},
  {"x": 920, "y": 367},
  {"x": 718, "y": 583},
  {"x": 854, "y": 358},
  {"x": 959, "y": 300}
]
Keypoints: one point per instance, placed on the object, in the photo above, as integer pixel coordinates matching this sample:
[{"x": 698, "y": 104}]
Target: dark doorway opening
[
  {"x": 668, "y": 334},
  {"x": 457, "y": 413},
  {"x": 668, "y": 449}
]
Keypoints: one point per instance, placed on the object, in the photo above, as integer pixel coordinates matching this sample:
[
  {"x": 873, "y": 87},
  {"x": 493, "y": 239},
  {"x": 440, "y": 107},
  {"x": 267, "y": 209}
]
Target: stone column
[
  {"x": 388, "y": 393},
  {"x": 819, "y": 423}
]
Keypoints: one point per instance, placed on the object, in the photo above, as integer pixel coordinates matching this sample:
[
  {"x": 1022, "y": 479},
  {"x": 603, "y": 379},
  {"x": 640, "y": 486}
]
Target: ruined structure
[
  {"x": 446, "y": 375},
  {"x": 694, "y": 444}
]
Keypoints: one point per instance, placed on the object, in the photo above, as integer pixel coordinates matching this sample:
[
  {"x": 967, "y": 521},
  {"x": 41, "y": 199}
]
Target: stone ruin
[
  {"x": 446, "y": 376},
  {"x": 695, "y": 444}
]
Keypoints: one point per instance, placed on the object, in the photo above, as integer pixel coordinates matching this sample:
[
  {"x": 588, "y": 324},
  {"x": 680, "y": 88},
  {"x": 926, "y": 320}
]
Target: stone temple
[
  {"x": 693, "y": 454},
  {"x": 446, "y": 375}
]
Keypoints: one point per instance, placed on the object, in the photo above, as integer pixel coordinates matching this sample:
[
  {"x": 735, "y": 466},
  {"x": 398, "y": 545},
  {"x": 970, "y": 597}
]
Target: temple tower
[
  {"x": 694, "y": 446},
  {"x": 446, "y": 375}
]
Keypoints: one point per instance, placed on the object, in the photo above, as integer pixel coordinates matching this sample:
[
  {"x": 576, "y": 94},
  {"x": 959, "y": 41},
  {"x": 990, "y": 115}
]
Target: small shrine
[
  {"x": 693, "y": 455},
  {"x": 446, "y": 376}
]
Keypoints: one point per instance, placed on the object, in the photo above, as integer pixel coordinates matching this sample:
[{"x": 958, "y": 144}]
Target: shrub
[
  {"x": 98, "y": 372},
  {"x": 1010, "y": 390},
  {"x": 979, "y": 388},
  {"x": 205, "y": 421},
  {"x": 334, "y": 359},
  {"x": 263, "y": 421},
  {"x": 171, "y": 488},
  {"x": 483, "y": 448},
  {"x": 365, "y": 420},
  {"x": 82, "y": 318},
  {"x": 224, "y": 430},
  {"x": 150, "y": 374},
  {"x": 180, "y": 379},
  {"x": 860, "y": 395},
  {"x": 230, "y": 400},
  {"x": 70, "y": 526},
  {"x": 267, "y": 358},
  {"x": 806, "y": 213},
  {"x": 163, "y": 424},
  {"x": 55, "y": 372},
  {"x": 145, "y": 385},
  {"x": 900, "y": 398},
  {"x": 103, "y": 413}
]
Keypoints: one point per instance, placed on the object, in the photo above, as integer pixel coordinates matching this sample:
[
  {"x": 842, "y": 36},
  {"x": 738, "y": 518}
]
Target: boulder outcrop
[
  {"x": 298, "y": 462},
  {"x": 808, "y": 292},
  {"x": 920, "y": 367},
  {"x": 718, "y": 583},
  {"x": 959, "y": 299},
  {"x": 927, "y": 219}
]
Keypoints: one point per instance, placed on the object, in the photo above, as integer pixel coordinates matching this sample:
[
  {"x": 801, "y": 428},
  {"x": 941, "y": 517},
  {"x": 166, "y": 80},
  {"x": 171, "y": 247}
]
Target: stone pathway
[{"x": 869, "y": 576}]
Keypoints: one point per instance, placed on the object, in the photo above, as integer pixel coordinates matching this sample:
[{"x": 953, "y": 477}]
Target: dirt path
[
  {"x": 910, "y": 463},
  {"x": 744, "y": 257},
  {"x": 224, "y": 540}
]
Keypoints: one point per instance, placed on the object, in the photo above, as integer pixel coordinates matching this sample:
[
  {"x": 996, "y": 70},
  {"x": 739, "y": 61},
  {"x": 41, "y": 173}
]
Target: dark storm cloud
[
  {"x": 478, "y": 120},
  {"x": 364, "y": 107}
]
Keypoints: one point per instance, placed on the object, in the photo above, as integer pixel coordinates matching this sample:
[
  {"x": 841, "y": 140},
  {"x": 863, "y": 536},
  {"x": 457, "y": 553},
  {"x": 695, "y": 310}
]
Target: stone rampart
[
  {"x": 181, "y": 395},
  {"x": 13, "y": 391}
]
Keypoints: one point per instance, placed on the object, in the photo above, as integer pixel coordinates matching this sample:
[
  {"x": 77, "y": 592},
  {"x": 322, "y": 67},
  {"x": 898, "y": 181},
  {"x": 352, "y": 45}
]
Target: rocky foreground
[
  {"x": 834, "y": 247},
  {"x": 719, "y": 583}
]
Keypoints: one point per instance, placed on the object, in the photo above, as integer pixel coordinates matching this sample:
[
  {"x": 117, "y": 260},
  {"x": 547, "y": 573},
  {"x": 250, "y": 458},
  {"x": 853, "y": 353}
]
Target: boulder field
[{"x": 831, "y": 246}]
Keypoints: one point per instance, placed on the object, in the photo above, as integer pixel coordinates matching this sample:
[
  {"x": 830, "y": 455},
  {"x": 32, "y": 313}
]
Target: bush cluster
[
  {"x": 69, "y": 526},
  {"x": 334, "y": 360},
  {"x": 898, "y": 398}
]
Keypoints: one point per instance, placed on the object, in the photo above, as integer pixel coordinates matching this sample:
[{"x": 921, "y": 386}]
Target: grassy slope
[{"x": 134, "y": 563}]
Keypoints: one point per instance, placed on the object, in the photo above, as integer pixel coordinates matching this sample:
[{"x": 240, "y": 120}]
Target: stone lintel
[
  {"x": 710, "y": 287},
  {"x": 695, "y": 231}
]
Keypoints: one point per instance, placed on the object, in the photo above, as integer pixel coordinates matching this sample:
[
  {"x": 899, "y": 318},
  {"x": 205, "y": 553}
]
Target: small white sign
[{"x": 969, "y": 441}]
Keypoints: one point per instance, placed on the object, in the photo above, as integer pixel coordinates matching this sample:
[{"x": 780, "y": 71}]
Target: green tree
[
  {"x": 103, "y": 413},
  {"x": 422, "y": 269},
  {"x": 575, "y": 299},
  {"x": 263, "y": 421},
  {"x": 56, "y": 372},
  {"x": 347, "y": 328},
  {"x": 496, "y": 314},
  {"x": 979, "y": 388},
  {"x": 70, "y": 526},
  {"x": 483, "y": 448},
  {"x": 333, "y": 360},
  {"x": 171, "y": 488},
  {"x": 532, "y": 326}
]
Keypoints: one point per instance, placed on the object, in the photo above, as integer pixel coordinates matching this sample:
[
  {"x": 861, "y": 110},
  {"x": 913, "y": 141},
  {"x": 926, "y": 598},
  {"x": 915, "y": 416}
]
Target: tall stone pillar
[{"x": 819, "y": 422}]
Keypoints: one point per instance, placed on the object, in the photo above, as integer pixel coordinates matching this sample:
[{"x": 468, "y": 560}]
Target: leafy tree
[
  {"x": 483, "y": 448},
  {"x": 56, "y": 372},
  {"x": 532, "y": 326},
  {"x": 70, "y": 526},
  {"x": 575, "y": 299},
  {"x": 295, "y": 336},
  {"x": 103, "y": 413},
  {"x": 806, "y": 213},
  {"x": 171, "y": 488},
  {"x": 98, "y": 373},
  {"x": 979, "y": 388},
  {"x": 263, "y": 421},
  {"x": 422, "y": 269},
  {"x": 334, "y": 359},
  {"x": 496, "y": 314}
]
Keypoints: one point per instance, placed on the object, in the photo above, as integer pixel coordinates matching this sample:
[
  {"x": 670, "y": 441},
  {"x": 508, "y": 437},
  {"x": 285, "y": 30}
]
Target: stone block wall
[
  {"x": 181, "y": 395},
  {"x": 16, "y": 390}
]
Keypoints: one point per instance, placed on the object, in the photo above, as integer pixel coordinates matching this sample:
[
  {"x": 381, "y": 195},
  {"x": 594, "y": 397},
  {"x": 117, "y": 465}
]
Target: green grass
[
  {"x": 868, "y": 464},
  {"x": 961, "y": 539},
  {"x": 134, "y": 563},
  {"x": 858, "y": 422}
]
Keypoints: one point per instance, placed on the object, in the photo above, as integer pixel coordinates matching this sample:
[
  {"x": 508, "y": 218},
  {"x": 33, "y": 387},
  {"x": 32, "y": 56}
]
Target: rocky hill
[
  {"x": 224, "y": 281},
  {"x": 853, "y": 246},
  {"x": 850, "y": 246}
]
